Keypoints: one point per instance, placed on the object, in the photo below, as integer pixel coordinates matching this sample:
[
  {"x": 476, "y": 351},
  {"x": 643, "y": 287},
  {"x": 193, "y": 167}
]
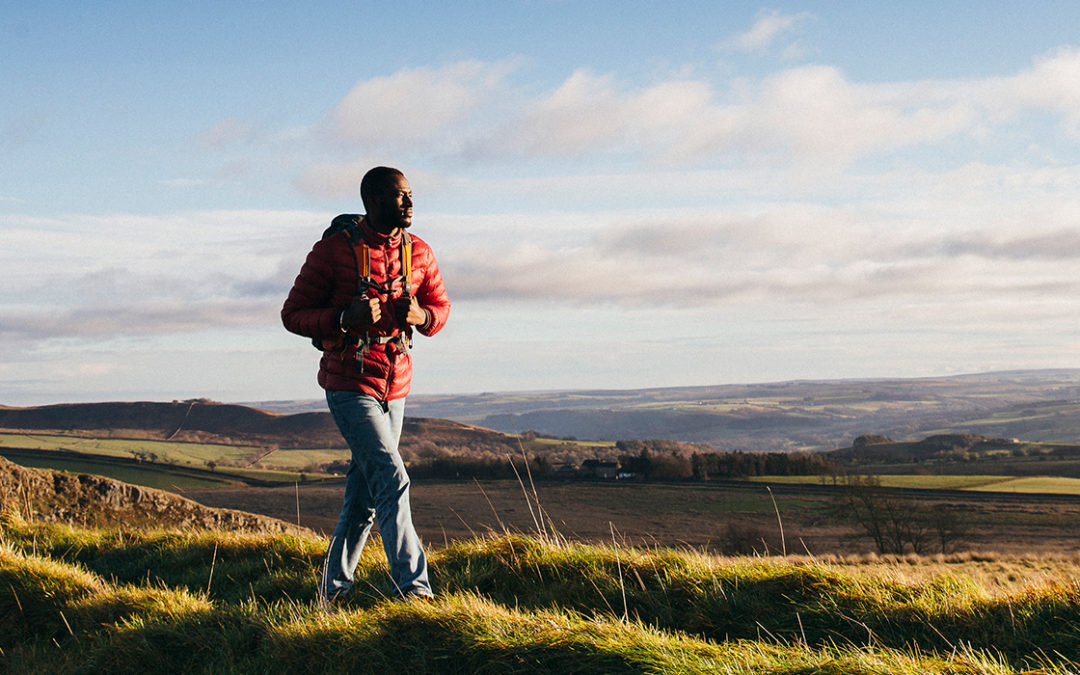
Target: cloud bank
[{"x": 811, "y": 117}]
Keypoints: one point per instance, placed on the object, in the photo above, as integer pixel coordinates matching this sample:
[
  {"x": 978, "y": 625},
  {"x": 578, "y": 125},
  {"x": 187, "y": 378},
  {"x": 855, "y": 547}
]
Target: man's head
[{"x": 387, "y": 199}]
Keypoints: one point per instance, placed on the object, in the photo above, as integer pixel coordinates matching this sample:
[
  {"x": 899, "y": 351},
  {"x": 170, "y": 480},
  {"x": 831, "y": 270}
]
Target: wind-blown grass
[{"x": 112, "y": 601}]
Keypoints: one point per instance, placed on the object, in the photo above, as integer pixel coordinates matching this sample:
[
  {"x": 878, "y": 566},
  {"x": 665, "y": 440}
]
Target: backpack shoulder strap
[
  {"x": 361, "y": 253},
  {"x": 406, "y": 261}
]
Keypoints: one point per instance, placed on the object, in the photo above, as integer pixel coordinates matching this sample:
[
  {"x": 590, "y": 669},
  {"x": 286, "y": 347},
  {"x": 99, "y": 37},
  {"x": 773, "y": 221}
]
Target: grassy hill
[
  {"x": 43, "y": 495},
  {"x": 111, "y": 600},
  {"x": 142, "y": 589}
]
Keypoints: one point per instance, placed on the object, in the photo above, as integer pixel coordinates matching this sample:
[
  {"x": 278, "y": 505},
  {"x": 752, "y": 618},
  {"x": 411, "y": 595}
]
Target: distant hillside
[
  {"x": 958, "y": 454},
  {"x": 1039, "y": 405},
  {"x": 205, "y": 421}
]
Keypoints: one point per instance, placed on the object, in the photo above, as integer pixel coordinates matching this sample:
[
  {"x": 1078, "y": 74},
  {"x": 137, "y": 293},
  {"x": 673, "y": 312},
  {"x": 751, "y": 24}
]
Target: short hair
[{"x": 375, "y": 181}]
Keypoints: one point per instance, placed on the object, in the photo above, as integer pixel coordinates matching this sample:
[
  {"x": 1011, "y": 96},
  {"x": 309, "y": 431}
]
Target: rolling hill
[
  {"x": 203, "y": 421},
  {"x": 1037, "y": 405}
]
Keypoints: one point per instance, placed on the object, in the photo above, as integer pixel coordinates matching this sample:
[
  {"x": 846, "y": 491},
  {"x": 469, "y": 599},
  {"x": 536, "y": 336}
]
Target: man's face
[{"x": 395, "y": 205}]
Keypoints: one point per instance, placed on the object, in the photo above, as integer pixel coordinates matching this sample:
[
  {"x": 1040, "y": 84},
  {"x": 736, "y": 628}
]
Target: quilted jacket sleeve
[
  {"x": 309, "y": 310},
  {"x": 431, "y": 293}
]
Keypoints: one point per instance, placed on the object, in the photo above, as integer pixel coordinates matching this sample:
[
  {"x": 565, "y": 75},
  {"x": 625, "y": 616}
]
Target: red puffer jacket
[{"x": 326, "y": 285}]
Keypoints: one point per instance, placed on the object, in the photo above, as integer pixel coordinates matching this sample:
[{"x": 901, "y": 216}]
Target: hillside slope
[
  {"x": 1037, "y": 405},
  {"x": 74, "y": 601},
  {"x": 56, "y": 496},
  {"x": 202, "y": 421}
]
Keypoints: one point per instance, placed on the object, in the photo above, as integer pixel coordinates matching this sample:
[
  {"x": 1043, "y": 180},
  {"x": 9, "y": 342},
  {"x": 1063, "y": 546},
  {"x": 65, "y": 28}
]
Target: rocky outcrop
[{"x": 83, "y": 499}]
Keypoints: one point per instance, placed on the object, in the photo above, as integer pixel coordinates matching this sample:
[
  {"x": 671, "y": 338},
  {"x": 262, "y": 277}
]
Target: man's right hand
[{"x": 361, "y": 313}]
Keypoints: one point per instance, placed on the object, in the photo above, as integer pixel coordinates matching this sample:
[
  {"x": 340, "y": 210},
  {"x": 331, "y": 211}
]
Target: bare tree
[{"x": 897, "y": 523}]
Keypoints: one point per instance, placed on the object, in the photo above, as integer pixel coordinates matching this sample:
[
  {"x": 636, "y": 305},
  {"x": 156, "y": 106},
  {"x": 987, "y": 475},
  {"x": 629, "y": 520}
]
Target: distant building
[{"x": 599, "y": 469}]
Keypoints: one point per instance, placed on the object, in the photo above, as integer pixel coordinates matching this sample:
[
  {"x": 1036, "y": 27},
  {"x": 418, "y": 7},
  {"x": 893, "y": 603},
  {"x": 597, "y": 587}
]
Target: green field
[
  {"x": 229, "y": 460},
  {"x": 192, "y": 454},
  {"x": 151, "y": 476},
  {"x": 1037, "y": 485},
  {"x": 980, "y": 483},
  {"x": 288, "y": 459},
  {"x": 118, "y": 462}
]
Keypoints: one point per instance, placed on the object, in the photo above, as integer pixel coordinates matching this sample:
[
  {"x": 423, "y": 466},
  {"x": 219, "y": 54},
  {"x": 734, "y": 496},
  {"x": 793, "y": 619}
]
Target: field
[
  {"x": 162, "y": 478},
  {"x": 145, "y": 458},
  {"x": 732, "y": 517},
  {"x": 729, "y": 518},
  {"x": 196, "y": 454},
  {"x": 977, "y": 482},
  {"x": 106, "y": 600}
]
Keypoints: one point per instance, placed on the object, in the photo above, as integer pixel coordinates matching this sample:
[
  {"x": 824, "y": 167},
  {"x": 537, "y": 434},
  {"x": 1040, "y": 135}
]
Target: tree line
[
  {"x": 657, "y": 460},
  {"x": 672, "y": 460}
]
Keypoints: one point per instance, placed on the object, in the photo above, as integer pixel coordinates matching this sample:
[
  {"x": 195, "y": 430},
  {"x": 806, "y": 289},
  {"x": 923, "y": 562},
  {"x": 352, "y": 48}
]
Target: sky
[{"x": 620, "y": 194}]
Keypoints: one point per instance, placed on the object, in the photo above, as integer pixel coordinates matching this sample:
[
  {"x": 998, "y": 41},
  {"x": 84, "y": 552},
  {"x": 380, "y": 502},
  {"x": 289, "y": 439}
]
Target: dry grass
[{"x": 114, "y": 600}]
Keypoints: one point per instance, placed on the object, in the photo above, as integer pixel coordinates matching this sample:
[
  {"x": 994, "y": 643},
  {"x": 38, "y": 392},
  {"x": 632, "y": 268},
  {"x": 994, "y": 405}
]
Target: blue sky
[{"x": 620, "y": 194}]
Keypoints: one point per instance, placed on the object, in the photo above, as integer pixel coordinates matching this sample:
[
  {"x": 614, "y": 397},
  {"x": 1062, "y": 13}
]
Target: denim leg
[
  {"x": 376, "y": 485},
  {"x": 350, "y": 535}
]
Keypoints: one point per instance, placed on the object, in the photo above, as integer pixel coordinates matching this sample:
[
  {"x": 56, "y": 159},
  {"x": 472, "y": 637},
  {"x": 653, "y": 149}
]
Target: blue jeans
[{"x": 376, "y": 484}]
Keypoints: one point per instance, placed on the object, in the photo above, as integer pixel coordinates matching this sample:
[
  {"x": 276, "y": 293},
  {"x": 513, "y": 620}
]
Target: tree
[{"x": 894, "y": 522}]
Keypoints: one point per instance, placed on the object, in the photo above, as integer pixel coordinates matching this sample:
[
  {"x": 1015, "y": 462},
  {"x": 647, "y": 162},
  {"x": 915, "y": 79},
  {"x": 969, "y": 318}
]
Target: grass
[
  {"x": 76, "y": 599},
  {"x": 167, "y": 460},
  {"x": 1037, "y": 484},
  {"x": 166, "y": 451},
  {"x": 284, "y": 465},
  {"x": 981, "y": 483},
  {"x": 149, "y": 476}
]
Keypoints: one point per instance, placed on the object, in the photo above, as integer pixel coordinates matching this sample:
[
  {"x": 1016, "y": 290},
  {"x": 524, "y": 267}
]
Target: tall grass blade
[
  {"x": 502, "y": 526},
  {"x": 783, "y": 543},
  {"x": 618, "y": 566},
  {"x": 536, "y": 497},
  {"x": 532, "y": 513}
]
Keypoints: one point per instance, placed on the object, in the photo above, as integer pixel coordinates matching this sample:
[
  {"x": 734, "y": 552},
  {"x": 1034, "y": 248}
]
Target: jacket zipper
[{"x": 388, "y": 350}]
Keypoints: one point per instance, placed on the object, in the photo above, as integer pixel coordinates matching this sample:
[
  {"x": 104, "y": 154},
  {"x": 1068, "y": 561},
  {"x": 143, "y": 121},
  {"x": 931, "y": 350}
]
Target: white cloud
[
  {"x": 768, "y": 27},
  {"x": 92, "y": 277},
  {"x": 799, "y": 254},
  {"x": 589, "y": 113},
  {"x": 806, "y": 120},
  {"x": 416, "y": 107},
  {"x": 1052, "y": 84}
]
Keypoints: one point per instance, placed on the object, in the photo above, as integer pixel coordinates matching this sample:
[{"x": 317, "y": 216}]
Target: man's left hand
[{"x": 409, "y": 311}]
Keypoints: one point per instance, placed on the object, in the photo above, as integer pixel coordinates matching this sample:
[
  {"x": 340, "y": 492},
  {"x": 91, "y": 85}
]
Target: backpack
[{"x": 350, "y": 224}]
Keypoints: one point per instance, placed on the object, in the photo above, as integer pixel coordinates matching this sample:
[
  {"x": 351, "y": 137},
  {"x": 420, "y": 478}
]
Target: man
[{"x": 362, "y": 291}]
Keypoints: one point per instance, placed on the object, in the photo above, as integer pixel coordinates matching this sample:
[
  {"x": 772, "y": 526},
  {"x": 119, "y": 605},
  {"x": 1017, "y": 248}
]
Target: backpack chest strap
[{"x": 362, "y": 258}]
